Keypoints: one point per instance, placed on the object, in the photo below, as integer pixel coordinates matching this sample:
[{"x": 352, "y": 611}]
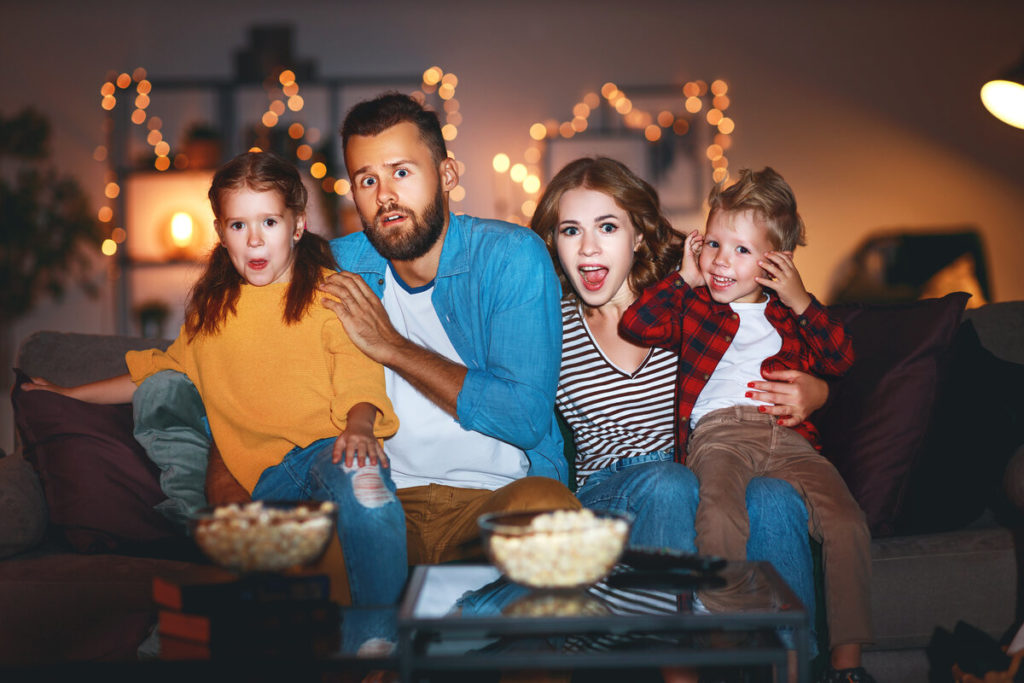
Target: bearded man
[{"x": 463, "y": 313}]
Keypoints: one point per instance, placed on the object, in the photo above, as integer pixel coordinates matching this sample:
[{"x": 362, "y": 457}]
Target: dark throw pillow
[
  {"x": 875, "y": 424},
  {"x": 100, "y": 487},
  {"x": 977, "y": 427}
]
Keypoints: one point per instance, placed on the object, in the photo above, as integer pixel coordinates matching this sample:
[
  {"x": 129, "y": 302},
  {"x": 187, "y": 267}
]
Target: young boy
[{"x": 736, "y": 309}]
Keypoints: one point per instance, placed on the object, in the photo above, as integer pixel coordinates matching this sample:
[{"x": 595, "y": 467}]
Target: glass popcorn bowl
[
  {"x": 264, "y": 536},
  {"x": 555, "y": 549}
]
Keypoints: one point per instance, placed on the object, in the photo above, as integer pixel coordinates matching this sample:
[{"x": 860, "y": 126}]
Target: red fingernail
[
  {"x": 750, "y": 384},
  {"x": 749, "y": 394},
  {"x": 761, "y": 409},
  {"x": 778, "y": 422}
]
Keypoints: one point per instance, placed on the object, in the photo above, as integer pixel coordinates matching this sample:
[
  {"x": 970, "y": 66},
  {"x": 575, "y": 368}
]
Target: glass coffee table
[{"x": 467, "y": 617}]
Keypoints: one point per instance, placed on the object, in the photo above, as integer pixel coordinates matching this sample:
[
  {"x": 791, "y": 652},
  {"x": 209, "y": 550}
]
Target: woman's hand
[
  {"x": 793, "y": 395},
  {"x": 689, "y": 270}
]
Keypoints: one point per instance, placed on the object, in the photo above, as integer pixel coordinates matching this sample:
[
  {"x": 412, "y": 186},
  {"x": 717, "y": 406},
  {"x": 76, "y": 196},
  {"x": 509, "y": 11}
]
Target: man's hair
[
  {"x": 772, "y": 201},
  {"x": 661, "y": 249},
  {"x": 372, "y": 117}
]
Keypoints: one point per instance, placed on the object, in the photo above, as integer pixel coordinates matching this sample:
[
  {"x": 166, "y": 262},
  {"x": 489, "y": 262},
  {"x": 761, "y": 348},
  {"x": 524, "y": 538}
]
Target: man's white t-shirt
[{"x": 430, "y": 446}]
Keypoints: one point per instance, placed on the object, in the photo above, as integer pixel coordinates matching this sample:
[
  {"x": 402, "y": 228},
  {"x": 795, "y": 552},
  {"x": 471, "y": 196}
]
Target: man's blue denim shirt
[{"x": 497, "y": 296}]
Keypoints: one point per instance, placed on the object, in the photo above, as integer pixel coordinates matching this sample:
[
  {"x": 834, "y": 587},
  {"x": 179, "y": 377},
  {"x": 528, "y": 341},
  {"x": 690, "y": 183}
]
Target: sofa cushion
[
  {"x": 875, "y": 423},
  {"x": 22, "y": 506},
  {"x": 978, "y": 424},
  {"x": 100, "y": 487}
]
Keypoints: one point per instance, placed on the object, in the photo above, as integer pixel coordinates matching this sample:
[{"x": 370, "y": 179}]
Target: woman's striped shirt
[{"x": 613, "y": 413}]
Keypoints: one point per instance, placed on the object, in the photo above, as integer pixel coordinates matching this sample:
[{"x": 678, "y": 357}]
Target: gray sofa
[{"x": 58, "y": 604}]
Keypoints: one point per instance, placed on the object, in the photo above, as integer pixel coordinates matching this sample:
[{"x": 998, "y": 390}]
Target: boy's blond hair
[{"x": 771, "y": 199}]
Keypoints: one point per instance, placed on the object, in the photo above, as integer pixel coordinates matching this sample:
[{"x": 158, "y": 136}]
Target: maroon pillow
[
  {"x": 100, "y": 487},
  {"x": 874, "y": 426}
]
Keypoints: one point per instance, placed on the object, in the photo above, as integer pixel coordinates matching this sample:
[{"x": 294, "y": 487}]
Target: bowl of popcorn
[
  {"x": 263, "y": 536},
  {"x": 555, "y": 549}
]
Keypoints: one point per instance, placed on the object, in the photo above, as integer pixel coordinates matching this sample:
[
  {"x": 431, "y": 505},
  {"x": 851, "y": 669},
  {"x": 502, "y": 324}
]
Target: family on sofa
[{"x": 415, "y": 387}]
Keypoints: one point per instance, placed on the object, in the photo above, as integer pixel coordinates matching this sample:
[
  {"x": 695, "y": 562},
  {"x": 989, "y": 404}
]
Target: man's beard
[{"x": 413, "y": 242}]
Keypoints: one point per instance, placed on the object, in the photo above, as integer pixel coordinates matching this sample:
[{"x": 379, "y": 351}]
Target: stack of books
[{"x": 259, "y": 615}]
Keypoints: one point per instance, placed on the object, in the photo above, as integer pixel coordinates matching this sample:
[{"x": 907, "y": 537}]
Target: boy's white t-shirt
[
  {"x": 755, "y": 340},
  {"x": 430, "y": 446}
]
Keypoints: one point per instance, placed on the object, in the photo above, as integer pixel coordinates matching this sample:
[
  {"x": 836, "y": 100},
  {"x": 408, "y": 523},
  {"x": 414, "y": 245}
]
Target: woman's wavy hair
[
  {"x": 661, "y": 249},
  {"x": 215, "y": 293}
]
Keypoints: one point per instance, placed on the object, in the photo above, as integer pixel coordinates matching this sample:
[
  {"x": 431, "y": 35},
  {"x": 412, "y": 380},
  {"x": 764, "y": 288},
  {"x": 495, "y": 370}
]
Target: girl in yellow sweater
[{"x": 295, "y": 409}]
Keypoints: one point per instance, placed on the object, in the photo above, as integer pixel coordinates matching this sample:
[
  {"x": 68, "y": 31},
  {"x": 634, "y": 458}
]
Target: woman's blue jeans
[
  {"x": 662, "y": 496},
  {"x": 370, "y": 523}
]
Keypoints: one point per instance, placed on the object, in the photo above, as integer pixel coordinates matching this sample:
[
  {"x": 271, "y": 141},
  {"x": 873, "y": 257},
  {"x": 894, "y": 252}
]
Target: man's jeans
[
  {"x": 370, "y": 524},
  {"x": 662, "y": 496}
]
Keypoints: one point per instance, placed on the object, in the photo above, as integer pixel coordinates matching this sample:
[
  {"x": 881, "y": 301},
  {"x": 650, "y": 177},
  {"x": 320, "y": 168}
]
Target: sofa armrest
[{"x": 70, "y": 359}]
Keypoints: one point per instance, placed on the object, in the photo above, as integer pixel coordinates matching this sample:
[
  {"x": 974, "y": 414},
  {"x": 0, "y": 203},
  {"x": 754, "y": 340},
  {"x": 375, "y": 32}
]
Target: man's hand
[
  {"x": 357, "y": 443},
  {"x": 794, "y": 395},
  {"x": 689, "y": 270},
  {"x": 785, "y": 280},
  {"x": 363, "y": 316}
]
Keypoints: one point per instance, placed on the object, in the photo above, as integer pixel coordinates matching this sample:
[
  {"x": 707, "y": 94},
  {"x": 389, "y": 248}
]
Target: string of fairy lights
[
  {"x": 696, "y": 97},
  {"x": 285, "y": 104}
]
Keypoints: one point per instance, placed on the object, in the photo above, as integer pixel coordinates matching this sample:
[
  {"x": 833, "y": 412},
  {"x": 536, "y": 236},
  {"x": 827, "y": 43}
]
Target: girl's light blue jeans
[
  {"x": 662, "y": 496},
  {"x": 370, "y": 522}
]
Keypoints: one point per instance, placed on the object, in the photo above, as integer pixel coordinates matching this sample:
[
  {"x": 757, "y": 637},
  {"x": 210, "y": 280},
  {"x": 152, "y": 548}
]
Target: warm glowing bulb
[
  {"x": 182, "y": 229},
  {"x": 287, "y": 77},
  {"x": 538, "y": 131},
  {"x": 119, "y": 235},
  {"x": 342, "y": 186},
  {"x": 579, "y": 124},
  {"x": 449, "y": 132},
  {"x": 501, "y": 162},
  {"x": 446, "y": 91},
  {"x": 112, "y": 190},
  {"x": 652, "y": 133},
  {"x": 138, "y": 116},
  {"x": 532, "y": 155},
  {"x": 161, "y": 149},
  {"x": 528, "y": 207},
  {"x": 566, "y": 130},
  {"x": 108, "y": 248},
  {"x": 457, "y": 194},
  {"x": 144, "y": 87},
  {"x": 719, "y": 87},
  {"x": 162, "y": 163},
  {"x": 295, "y": 102},
  {"x": 531, "y": 184},
  {"x": 726, "y": 126},
  {"x": 1005, "y": 101},
  {"x": 269, "y": 119},
  {"x": 105, "y": 214},
  {"x": 304, "y": 152},
  {"x": 100, "y": 153},
  {"x": 318, "y": 170},
  {"x": 518, "y": 173},
  {"x": 295, "y": 131},
  {"x": 277, "y": 106},
  {"x": 693, "y": 104},
  {"x": 107, "y": 89},
  {"x": 432, "y": 75},
  {"x": 581, "y": 109},
  {"x": 108, "y": 102},
  {"x": 123, "y": 81}
]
